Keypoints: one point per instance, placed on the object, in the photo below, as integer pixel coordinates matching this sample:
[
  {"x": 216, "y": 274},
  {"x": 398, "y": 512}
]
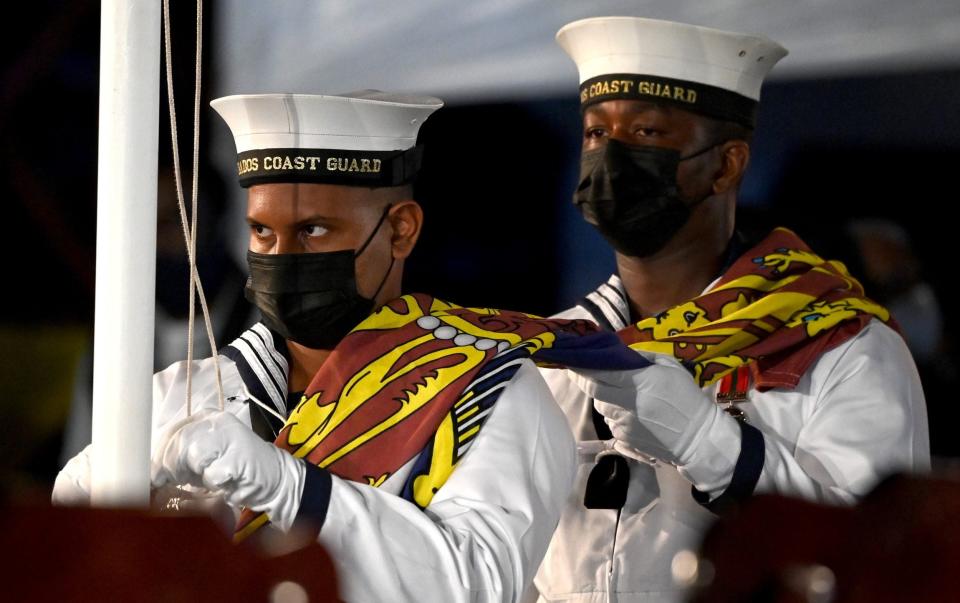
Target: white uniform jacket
[
  {"x": 855, "y": 416},
  {"x": 485, "y": 531}
]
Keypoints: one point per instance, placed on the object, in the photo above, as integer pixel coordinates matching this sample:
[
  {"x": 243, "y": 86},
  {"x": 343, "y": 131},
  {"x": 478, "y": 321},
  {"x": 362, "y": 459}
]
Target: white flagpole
[{"x": 126, "y": 251}]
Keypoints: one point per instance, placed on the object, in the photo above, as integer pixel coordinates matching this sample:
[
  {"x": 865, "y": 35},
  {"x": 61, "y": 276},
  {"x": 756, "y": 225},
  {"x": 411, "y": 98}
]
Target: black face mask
[
  {"x": 310, "y": 298},
  {"x": 630, "y": 194}
]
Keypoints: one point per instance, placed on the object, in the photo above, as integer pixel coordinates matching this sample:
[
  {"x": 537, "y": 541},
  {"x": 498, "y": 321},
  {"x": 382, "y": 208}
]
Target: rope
[{"x": 190, "y": 226}]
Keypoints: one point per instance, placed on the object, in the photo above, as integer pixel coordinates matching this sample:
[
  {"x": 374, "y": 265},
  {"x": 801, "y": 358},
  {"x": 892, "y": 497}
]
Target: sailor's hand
[
  {"x": 657, "y": 411},
  {"x": 216, "y": 451},
  {"x": 72, "y": 487}
]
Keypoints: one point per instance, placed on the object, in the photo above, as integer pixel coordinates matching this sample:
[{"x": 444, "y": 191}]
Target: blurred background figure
[{"x": 894, "y": 276}]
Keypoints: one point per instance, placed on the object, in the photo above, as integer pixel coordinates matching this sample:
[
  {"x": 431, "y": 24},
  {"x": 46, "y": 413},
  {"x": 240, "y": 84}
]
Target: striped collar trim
[
  {"x": 607, "y": 304},
  {"x": 261, "y": 358}
]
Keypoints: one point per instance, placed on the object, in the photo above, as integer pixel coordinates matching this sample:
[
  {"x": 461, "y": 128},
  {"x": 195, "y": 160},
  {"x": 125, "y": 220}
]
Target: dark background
[{"x": 496, "y": 186}]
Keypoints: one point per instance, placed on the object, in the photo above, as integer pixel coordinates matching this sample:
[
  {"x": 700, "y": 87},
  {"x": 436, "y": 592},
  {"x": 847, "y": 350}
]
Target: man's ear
[
  {"x": 734, "y": 157},
  {"x": 406, "y": 219}
]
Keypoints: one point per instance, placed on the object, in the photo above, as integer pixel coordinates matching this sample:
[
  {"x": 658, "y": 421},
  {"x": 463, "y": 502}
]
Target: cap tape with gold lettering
[
  {"x": 707, "y": 71},
  {"x": 363, "y": 138}
]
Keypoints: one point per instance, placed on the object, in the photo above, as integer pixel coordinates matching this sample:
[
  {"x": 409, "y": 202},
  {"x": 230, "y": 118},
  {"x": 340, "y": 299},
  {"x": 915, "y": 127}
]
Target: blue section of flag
[{"x": 602, "y": 350}]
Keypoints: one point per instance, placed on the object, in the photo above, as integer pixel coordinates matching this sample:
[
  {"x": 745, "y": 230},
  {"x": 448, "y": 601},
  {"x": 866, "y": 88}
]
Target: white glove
[
  {"x": 216, "y": 451},
  {"x": 657, "y": 411},
  {"x": 72, "y": 487}
]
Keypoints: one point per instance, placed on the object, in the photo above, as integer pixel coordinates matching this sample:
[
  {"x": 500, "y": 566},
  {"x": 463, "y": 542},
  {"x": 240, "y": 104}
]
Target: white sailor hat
[
  {"x": 708, "y": 71},
  {"x": 365, "y": 138}
]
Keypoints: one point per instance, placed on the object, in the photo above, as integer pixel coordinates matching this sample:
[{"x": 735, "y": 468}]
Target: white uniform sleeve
[
  {"x": 486, "y": 530},
  {"x": 863, "y": 417},
  {"x": 72, "y": 486},
  {"x": 170, "y": 391}
]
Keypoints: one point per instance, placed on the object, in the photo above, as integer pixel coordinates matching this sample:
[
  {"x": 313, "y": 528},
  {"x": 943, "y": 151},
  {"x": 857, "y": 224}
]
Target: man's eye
[
  {"x": 645, "y": 132},
  {"x": 261, "y": 230},
  {"x": 314, "y": 230},
  {"x": 594, "y": 133}
]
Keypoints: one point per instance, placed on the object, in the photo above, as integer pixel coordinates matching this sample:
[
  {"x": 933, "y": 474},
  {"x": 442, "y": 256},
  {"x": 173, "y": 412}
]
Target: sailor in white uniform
[
  {"x": 331, "y": 223},
  {"x": 668, "y": 110}
]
